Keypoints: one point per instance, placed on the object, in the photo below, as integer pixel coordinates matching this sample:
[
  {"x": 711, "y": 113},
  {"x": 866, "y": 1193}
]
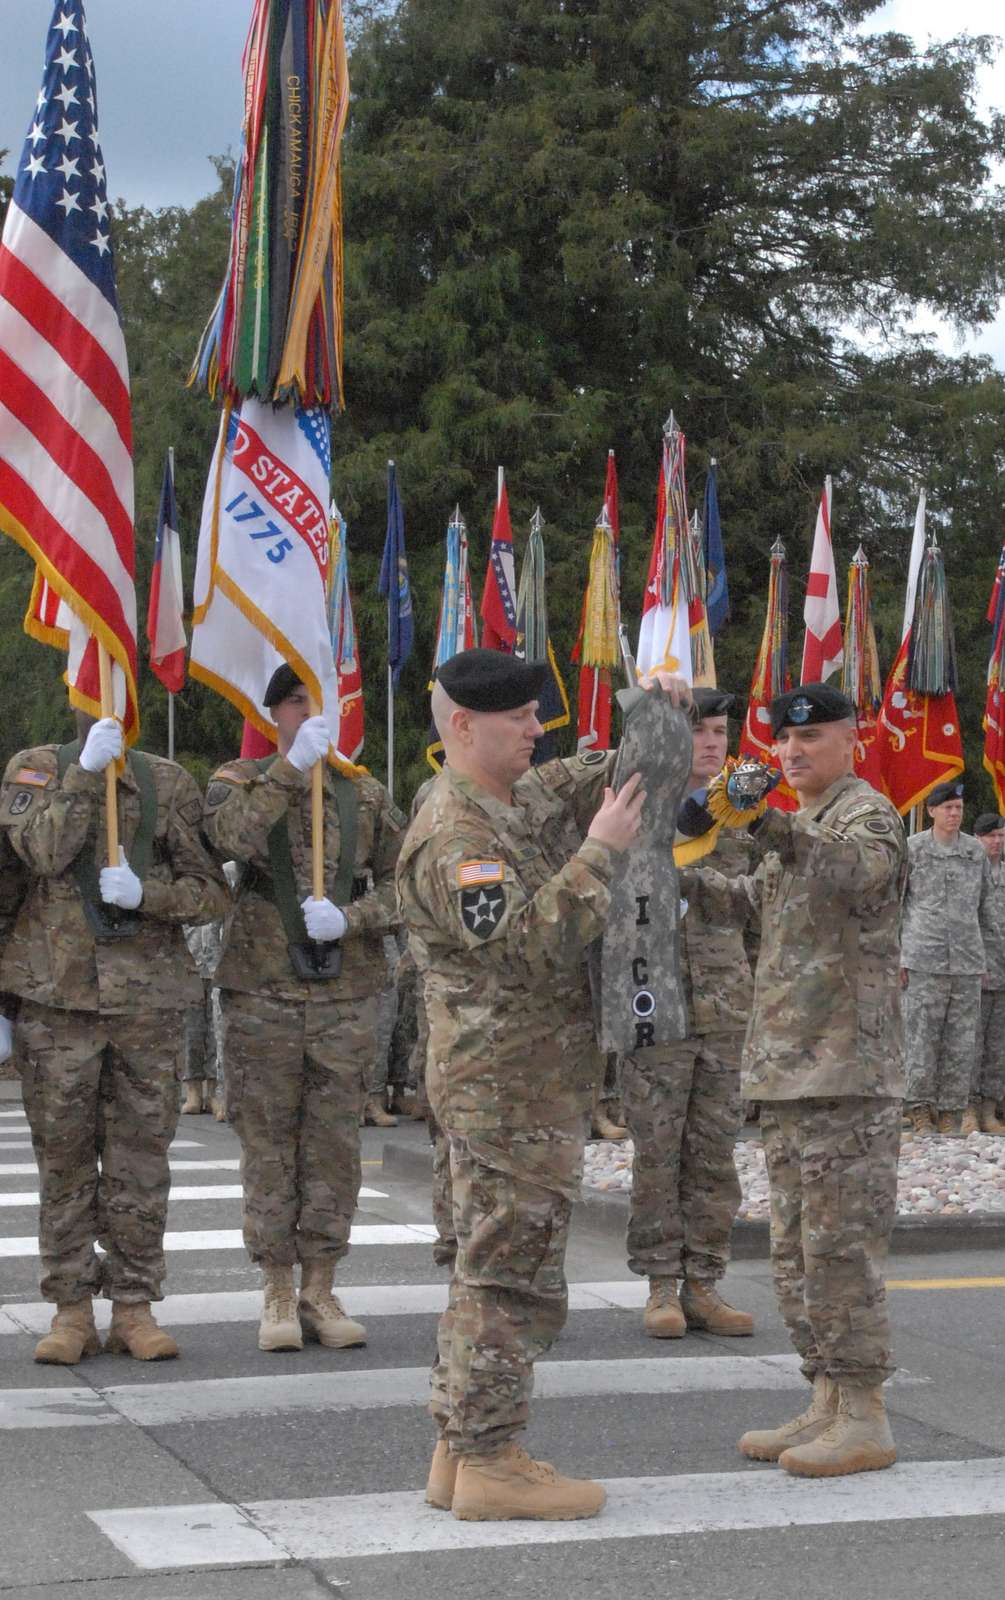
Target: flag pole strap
[
  {"x": 317, "y": 820},
  {"x": 111, "y": 782}
]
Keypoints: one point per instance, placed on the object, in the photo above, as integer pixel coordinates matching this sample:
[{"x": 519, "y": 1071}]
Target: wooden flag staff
[
  {"x": 317, "y": 820},
  {"x": 111, "y": 783}
]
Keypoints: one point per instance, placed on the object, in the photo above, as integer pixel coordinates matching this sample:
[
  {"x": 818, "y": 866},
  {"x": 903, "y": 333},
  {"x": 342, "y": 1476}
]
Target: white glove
[
  {"x": 6, "y": 1038},
  {"x": 102, "y": 745},
  {"x": 119, "y": 885},
  {"x": 310, "y": 745},
  {"x": 325, "y": 922}
]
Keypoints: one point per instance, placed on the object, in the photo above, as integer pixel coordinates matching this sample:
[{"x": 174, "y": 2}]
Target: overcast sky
[{"x": 169, "y": 87}]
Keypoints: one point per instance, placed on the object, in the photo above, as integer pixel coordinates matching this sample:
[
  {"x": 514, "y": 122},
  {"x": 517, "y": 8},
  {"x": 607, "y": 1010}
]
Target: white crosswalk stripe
[
  {"x": 341, "y": 1528},
  {"x": 233, "y": 1239},
  {"x": 203, "y": 1191},
  {"x": 28, "y": 1169}
]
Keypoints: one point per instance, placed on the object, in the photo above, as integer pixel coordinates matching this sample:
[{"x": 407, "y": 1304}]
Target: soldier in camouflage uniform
[
  {"x": 501, "y": 894},
  {"x": 298, "y": 981},
  {"x": 987, "y": 1086},
  {"x": 947, "y": 907},
  {"x": 203, "y": 1076},
  {"x": 682, "y": 1102},
  {"x": 101, "y": 1021},
  {"x": 13, "y": 886},
  {"x": 824, "y": 1056}
]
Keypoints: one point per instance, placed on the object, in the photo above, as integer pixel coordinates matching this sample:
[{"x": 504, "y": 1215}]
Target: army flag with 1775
[{"x": 261, "y": 582}]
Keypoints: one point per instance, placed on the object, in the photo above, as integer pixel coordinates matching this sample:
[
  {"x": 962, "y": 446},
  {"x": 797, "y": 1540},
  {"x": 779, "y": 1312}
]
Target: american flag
[{"x": 66, "y": 469}]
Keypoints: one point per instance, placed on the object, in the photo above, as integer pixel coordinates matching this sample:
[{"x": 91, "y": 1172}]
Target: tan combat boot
[
  {"x": 322, "y": 1315},
  {"x": 971, "y": 1122},
  {"x": 400, "y": 1103},
  {"x": 193, "y": 1097},
  {"x": 71, "y": 1336},
  {"x": 704, "y": 1308},
  {"x": 767, "y": 1444},
  {"x": 375, "y": 1114},
  {"x": 663, "y": 1317},
  {"x": 857, "y": 1440},
  {"x": 922, "y": 1118},
  {"x": 947, "y": 1125},
  {"x": 442, "y": 1478},
  {"x": 134, "y": 1332},
  {"x": 512, "y": 1484},
  {"x": 279, "y": 1328},
  {"x": 218, "y": 1106},
  {"x": 991, "y": 1122}
]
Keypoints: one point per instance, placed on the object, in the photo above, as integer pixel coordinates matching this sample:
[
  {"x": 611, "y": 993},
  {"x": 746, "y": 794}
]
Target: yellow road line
[
  {"x": 371, "y": 1163},
  {"x": 945, "y": 1283}
]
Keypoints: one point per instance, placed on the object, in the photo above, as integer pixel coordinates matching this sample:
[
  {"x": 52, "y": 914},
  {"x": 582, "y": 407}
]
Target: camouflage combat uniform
[
  {"x": 682, "y": 1102},
  {"x": 988, "y": 1080},
  {"x": 946, "y": 907},
  {"x": 101, "y": 1024},
  {"x": 824, "y": 1056},
  {"x": 202, "y": 1048},
  {"x": 297, "y": 1051},
  {"x": 500, "y": 903}
]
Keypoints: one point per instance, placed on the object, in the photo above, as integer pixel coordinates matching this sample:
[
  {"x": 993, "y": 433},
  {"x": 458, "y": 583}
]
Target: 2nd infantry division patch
[{"x": 482, "y": 909}]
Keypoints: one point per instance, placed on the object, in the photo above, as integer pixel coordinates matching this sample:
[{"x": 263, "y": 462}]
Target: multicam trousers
[
  {"x": 508, "y": 1297},
  {"x": 101, "y": 1096},
  {"x": 940, "y": 1029},
  {"x": 294, "y": 1093},
  {"x": 832, "y": 1168},
  {"x": 682, "y": 1106},
  {"x": 988, "y": 1080},
  {"x": 201, "y": 1053}
]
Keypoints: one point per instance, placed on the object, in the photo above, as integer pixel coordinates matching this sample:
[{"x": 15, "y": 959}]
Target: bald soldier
[
  {"x": 824, "y": 1056},
  {"x": 682, "y": 1101},
  {"x": 104, "y": 977},
  {"x": 298, "y": 981},
  {"x": 503, "y": 882}
]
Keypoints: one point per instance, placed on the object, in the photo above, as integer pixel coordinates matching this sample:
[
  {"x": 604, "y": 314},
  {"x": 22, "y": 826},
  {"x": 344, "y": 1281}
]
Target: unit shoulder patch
[{"x": 482, "y": 909}]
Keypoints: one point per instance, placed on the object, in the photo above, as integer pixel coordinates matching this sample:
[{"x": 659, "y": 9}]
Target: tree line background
[{"x": 563, "y": 220}]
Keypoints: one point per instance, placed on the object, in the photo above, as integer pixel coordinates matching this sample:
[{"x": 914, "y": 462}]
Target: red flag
[
  {"x": 821, "y": 614},
  {"x": 165, "y": 628},
  {"x": 860, "y": 678},
  {"x": 595, "y": 685},
  {"x": 498, "y": 607},
  {"x": 771, "y": 678},
  {"x": 994, "y": 704}
]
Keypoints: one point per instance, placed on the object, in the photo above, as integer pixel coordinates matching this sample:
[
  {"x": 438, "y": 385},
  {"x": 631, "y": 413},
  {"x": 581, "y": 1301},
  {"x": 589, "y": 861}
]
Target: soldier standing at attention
[
  {"x": 503, "y": 882},
  {"x": 824, "y": 1057},
  {"x": 682, "y": 1102},
  {"x": 987, "y": 1086},
  {"x": 947, "y": 907},
  {"x": 104, "y": 977},
  {"x": 298, "y": 981}
]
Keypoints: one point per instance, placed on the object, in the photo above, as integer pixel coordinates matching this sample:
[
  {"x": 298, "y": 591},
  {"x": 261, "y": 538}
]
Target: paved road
[{"x": 233, "y": 1475}]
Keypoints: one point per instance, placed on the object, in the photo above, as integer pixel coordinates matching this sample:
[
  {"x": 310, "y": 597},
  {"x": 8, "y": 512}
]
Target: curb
[{"x": 608, "y": 1213}]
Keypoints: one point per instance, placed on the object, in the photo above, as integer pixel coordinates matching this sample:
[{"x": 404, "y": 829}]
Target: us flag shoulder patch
[
  {"x": 473, "y": 873},
  {"x": 28, "y": 775}
]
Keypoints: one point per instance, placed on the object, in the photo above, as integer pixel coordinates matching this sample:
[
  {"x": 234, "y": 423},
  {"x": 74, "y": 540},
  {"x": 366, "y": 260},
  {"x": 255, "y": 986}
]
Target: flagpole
[
  {"x": 317, "y": 819},
  {"x": 111, "y": 783},
  {"x": 170, "y": 694},
  {"x": 390, "y": 732}
]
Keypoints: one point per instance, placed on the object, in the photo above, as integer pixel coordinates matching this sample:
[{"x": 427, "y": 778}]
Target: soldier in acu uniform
[
  {"x": 824, "y": 1056},
  {"x": 946, "y": 910},
  {"x": 503, "y": 883},
  {"x": 987, "y": 1085},
  {"x": 104, "y": 977},
  {"x": 299, "y": 980},
  {"x": 682, "y": 1102}
]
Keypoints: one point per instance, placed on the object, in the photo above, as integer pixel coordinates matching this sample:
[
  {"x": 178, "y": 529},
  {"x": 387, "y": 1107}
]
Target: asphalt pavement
[{"x": 232, "y": 1475}]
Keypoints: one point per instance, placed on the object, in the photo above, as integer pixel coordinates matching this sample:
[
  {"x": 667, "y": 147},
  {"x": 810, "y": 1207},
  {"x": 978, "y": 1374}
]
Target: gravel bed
[{"x": 937, "y": 1177}]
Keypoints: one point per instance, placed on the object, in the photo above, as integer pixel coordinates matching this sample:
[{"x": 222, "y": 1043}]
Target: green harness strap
[
  {"x": 284, "y": 883},
  {"x": 86, "y": 867}
]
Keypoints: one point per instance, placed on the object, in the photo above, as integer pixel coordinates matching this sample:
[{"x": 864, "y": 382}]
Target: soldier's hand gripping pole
[{"x": 111, "y": 781}]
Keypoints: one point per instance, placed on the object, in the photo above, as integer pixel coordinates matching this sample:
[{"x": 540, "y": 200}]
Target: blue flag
[
  {"x": 394, "y": 585},
  {"x": 717, "y": 590}
]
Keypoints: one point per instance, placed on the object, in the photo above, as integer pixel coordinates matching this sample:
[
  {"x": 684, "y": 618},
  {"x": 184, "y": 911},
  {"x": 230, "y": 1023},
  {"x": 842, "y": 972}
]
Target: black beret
[
  {"x": 712, "y": 702},
  {"x": 490, "y": 680},
  {"x": 811, "y": 702},
  {"x": 988, "y": 822},
  {"x": 952, "y": 789},
  {"x": 282, "y": 683}
]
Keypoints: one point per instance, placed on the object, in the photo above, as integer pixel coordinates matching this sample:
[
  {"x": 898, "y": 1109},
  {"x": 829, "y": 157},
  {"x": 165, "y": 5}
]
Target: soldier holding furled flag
[
  {"x": 316, "y": 838},
  {"x": 97, "y": 955}
]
